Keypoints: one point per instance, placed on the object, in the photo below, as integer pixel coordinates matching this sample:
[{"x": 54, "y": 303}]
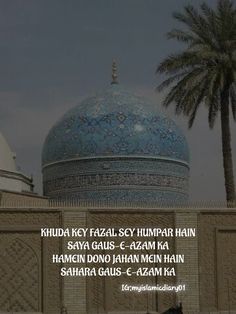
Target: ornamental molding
[
  {"x": 119, "y": 158},
  {"x": 115, "y": 179}
]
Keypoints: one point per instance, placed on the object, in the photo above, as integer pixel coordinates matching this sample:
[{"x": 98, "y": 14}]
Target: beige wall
[
  {"x": 75, "y": 290},
  {"x": 209, "y": 272},
  {"x": 29, "y": 281},
  {"x": 22, "y": 200},
  {"x": 217, "y": 260}
]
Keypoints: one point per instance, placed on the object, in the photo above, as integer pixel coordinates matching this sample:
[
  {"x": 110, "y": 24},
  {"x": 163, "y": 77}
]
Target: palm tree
[{"x": 205, "y": 72}]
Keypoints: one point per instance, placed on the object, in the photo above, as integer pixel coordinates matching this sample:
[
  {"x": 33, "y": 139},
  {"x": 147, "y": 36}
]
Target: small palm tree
[{"x": 205, "y": 72}]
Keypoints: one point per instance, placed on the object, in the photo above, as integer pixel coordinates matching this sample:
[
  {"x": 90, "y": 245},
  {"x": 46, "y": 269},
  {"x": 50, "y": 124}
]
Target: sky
[{"x": 54, "y": 53}]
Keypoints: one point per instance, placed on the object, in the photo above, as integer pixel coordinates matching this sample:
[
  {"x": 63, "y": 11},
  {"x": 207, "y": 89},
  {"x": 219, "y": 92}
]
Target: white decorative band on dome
[{"x": 178, "y": 161}]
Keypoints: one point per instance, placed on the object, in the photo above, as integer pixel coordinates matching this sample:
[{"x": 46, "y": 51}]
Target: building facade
[
  {"x": 30, "y": 282},
  {"x": 112, "y": 161}
]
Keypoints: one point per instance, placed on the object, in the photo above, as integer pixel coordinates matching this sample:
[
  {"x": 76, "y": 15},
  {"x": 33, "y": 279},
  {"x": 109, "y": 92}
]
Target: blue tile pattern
[
  {"x": 114, "y": 147},
  {"x": 114, "y": 122},
  {"x": 136, "y": 197}
]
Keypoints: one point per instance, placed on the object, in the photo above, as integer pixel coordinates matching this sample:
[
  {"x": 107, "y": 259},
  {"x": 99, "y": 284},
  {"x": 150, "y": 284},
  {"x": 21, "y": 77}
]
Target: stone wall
[
  {"x": 217, "y": 260},
  {"x": 75, "y": 289},
  {"x": 113, "y": 300},
  {"x": 23, "y": 200},
  {"x": 188, "y": 273},
  {"x": 29, "y": 281}
]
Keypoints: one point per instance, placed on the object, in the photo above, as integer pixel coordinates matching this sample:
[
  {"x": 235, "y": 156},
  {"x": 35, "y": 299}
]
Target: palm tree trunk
[{"x": 226, "y": 149}]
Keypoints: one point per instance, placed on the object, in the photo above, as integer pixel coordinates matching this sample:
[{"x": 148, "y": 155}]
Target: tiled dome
[
  {"x": 114, "y": 146},
  {"x": 114, "y": 123}
]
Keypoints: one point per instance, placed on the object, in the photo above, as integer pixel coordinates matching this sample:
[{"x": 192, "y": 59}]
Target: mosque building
[{"x": 111, "y": 162}]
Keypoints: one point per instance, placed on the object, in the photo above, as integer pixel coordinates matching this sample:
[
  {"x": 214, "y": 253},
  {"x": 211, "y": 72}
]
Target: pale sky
[{"x": 56, "y": 52}]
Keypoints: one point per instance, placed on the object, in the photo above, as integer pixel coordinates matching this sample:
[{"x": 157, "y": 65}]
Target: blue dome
[
  {"x": 115, "y": 147},
  {"x": 114, "y": 122}
]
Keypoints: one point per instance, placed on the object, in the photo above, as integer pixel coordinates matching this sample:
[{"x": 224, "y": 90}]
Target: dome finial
[{"x": 114, "y": 73}]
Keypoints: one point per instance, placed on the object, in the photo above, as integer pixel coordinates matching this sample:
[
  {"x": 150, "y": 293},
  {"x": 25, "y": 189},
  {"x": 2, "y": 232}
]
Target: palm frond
[
  {"x": 178, "y": 92},
  {"x": 205, "y": 67},
  {"x": 181, "y": 36},
  {"x": 212, "y": 113},
  {"x": 227, "y": 20},
  {"x": 209, "y": 13},
  {"x": 177, "y": 62},
  {"x": 199, "y": 99},
  {"x": 224, "y": 6},
  {"x": 197, "y": 24},
  {"x": 171, "y": 80},
  {"x": 193, "y": 114},
  {"x": 213, "y": 98},
  {"x": 212, "y": 22}
]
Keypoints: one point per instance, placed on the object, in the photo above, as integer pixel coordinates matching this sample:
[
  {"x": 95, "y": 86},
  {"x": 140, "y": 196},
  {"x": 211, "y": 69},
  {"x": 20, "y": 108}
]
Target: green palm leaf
[{"x": 205, "y": 71}]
